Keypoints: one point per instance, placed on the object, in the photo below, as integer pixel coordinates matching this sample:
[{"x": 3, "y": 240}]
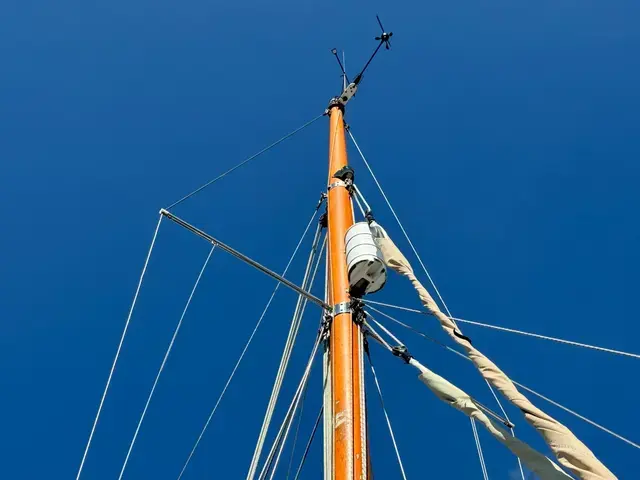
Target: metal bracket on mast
[{"x": 344, "y": 307}]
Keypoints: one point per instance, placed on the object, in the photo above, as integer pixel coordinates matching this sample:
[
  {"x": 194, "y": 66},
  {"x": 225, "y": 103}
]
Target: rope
[
  {"x": 246, "y": 346},
  {"x": 115, "y": 360},
  {"x": 462, "y": 355},
  {"x": 284, "y": 361},
  {"x": 308, "y": 447},
  {"x": 386, "y": 416},
  {"x": 304, "y": 391},
  {"x": 511, "y": 428},
  {"x": 404, "y": 232},
  {"x": 483, "y": 465},
  {"x": 553, "y": 339},
  {"x": 384, "y": 329},
  {"x": 295, "y": 437},
  {"x": 164, "y": 361},
  {"x": 376, "y": 336},
  {"x": 512, "y": 330},
  {"x": 245, "y": 161},
  {"x": 581, "y": 417},
  {"x": 283, "y": 432}
]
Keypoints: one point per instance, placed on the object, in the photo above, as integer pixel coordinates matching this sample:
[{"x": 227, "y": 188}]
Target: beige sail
[
  {"x": 568, "y": 449},
  {"x": 545, "y": 468}
]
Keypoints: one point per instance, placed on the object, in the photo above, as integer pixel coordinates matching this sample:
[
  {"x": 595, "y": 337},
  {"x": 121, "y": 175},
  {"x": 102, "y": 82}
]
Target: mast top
[{"x": 350, "y": 88}]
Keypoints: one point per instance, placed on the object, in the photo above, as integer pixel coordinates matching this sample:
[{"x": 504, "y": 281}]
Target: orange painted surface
[{"x": 348, "y": 459}]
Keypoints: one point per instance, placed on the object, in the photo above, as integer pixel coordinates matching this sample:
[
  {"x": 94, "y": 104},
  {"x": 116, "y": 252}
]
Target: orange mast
[{"x": 348, "y": 414}]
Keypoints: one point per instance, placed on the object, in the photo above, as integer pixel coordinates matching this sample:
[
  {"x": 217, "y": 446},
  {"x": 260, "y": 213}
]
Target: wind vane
[{"x": 352, "y": 87}]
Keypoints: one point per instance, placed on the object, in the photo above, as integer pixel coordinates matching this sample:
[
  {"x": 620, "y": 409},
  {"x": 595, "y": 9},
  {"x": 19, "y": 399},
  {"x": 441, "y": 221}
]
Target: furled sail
[
  {"x": 568, "y": 449},
  {"x": 545, "y": 468}
]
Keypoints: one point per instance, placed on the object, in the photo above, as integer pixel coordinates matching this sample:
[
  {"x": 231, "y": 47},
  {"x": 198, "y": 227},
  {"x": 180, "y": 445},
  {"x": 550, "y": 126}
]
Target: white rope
[
  {"x": 164, "y": 361},
  {"x": 384, "y": 329},
  {"x": 115, "y": 360},
  {"x": 512, "y": 330},
  {"x": 246, "y": 346},
  {"x": 483, "y": 465},
  {"x": 591, "y": 422},
  {"x": 386, "y": 416},
  {"x": 284, "y": 362},
  {"x": 285, "y": 427},
  {"x": 245, "y": 161},
  {"x": 508, "y": 423},
  {"x": 304, "y": 388},
  {"x": 462, "y": 355},
  {"x": 553, "y": 339},
  {"x": 404, "y": 232},
  {"x": 376, "y": 336},
  {"x": 511, "y": 429}
]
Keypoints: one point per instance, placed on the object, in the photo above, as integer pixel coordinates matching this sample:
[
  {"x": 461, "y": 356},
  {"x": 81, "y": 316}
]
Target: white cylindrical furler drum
[{"x": 367, "y": 271}]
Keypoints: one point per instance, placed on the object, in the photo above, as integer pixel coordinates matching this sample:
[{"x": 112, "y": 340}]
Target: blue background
[{"x": 505, "y": 134}]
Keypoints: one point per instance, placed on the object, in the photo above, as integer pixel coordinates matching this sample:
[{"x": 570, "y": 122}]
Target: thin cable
[
  {"x": 384, "y": 329},
  {"x": 483, "y": 465},
  {"x": 386, "y": 416},
  {"x": 581, "y": 417},
  {"x": 164, "y": 361},
  {"x": 115, "y": 360},
  {"x": 511, "y": 429},
  {"x": 376, "y": 336},
  {"x": 512, "y": 330},
  {"x": 364, "y": 200},
  {"x": 397, "y": 307},
  {"x": 308, "y": 447},
  {"x": 281, "y": 437},
  {"x": 545, "y": 337},
  {"x": 462, "y": 355},
  {"x": 284, "y": 362},
  {"x": 295, "y": 437},
  {"x": 246, "y": 346},
  {"x": 404, "y": 232},
  {"x": 355, "y": 197},
  {"x": 304, "y": 391},
  {"x": 247, "y": 160}
]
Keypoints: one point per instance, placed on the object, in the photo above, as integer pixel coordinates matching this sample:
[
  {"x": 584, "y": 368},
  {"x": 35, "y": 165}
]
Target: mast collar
[
  {"x": 334, "y": 102},
  {"x": 342, "y": 307}
]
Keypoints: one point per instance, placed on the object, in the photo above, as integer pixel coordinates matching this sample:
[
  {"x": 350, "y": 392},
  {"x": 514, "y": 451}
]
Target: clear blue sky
[{"x": 505, "y": 133}]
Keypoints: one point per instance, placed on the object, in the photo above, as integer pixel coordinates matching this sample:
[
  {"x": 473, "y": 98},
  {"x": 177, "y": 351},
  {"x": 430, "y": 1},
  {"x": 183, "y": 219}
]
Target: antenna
[
  {"x": 349, "y": 88},
  {"x": 344, "y": 73}
]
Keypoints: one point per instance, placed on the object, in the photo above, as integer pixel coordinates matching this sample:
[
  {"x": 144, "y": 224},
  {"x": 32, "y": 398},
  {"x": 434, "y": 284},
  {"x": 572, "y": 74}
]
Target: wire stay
[
  {"x": 524, "y": 387},
  {"x": 115, "y": 359},
  {"x": 164, "y": 362},
  {"x": 386, "y": 416},
  {"x": 244, "y": 162},
  {"x": 393, "y": 212},
  {"x": 286, "y": 354},
  {"x": 309, "y": 443},
  {"x": 247, "y": 344},
  {"x": 512, "y": 330}
]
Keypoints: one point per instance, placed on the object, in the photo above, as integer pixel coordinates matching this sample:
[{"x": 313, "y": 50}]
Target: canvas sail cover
[
  {"x": 568, "y": 449},
  {"x": 542, "y": 466}
]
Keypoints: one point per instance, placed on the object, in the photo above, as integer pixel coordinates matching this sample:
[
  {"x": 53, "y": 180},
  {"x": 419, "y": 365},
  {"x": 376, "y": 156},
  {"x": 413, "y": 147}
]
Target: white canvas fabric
[
  {"x": 542, "y": 466},
  {"x": 568, "y": 449}
]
